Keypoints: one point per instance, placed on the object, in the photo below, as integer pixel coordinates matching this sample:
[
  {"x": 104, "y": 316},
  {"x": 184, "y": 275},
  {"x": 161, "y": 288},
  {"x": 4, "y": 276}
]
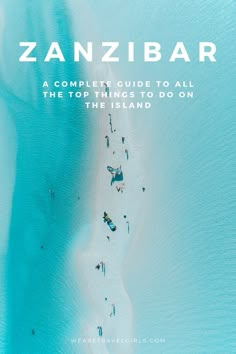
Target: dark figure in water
[
  {"x": 123, "y": 139},
  {"x": 108, "y": 237},
  {"x": 143, "y": 188},
  {"x": 127, "y": 154},
  {"x": 42, "y": 247},
  {"x": 108, "y": 142},
  {"x": 52, "y": 194},
  {"x": 33, "y": 332},
  {"x": 97, "y": 266}
]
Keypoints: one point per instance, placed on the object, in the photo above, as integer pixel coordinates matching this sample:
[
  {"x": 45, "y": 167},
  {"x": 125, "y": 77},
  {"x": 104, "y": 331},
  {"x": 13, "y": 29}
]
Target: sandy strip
[
  {"x": 112, "y": 253},
  {"x": 94, "y": 286}
]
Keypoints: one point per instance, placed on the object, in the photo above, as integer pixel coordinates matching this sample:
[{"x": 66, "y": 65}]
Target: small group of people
[
  {"x": 122, "y": 138},
  {"x": 120, "y": 187}
]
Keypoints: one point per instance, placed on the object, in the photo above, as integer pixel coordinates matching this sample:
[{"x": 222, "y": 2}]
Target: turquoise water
[
  {"x": 182, "y": 284},
  {"x": 51, "y": 138},
  {"x": 182, "y": 287},
  {"x": 187, "y": 290}
]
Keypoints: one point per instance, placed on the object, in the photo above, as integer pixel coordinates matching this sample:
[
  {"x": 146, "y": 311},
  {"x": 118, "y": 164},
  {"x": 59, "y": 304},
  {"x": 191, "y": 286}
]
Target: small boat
[
  {"x": 112, "y": 226},
  {"x": 109, "y": 222}
]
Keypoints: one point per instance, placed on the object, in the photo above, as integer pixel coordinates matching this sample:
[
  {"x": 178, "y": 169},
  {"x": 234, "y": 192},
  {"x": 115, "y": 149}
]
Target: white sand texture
[{"x": 116, "y": 329}]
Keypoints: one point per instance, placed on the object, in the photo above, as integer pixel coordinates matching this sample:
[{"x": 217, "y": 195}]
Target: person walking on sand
[
  {"x": 106, "y": 88},
  {"x": 113, "y": 309},
  {"x": 127, "y": 154},
  {"x": 107, "y": 139},
  {"x": 103, "y": 267},
  {"x": 99, "y": 331},
  {"x": 127, "y": 222},
  {"x": 110, "y": 122}
]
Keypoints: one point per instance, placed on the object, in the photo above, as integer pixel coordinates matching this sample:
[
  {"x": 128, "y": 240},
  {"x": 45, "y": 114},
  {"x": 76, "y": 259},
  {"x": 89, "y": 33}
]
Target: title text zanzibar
[{"x": 152, "y": 52}]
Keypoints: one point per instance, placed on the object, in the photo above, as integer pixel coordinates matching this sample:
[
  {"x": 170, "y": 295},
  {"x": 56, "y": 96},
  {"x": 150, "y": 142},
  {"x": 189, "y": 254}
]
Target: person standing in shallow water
[
  {"x": 123, "y": 139},
  {"x": 127, "y": 154},
  {"x": 52, "y": 194}
]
